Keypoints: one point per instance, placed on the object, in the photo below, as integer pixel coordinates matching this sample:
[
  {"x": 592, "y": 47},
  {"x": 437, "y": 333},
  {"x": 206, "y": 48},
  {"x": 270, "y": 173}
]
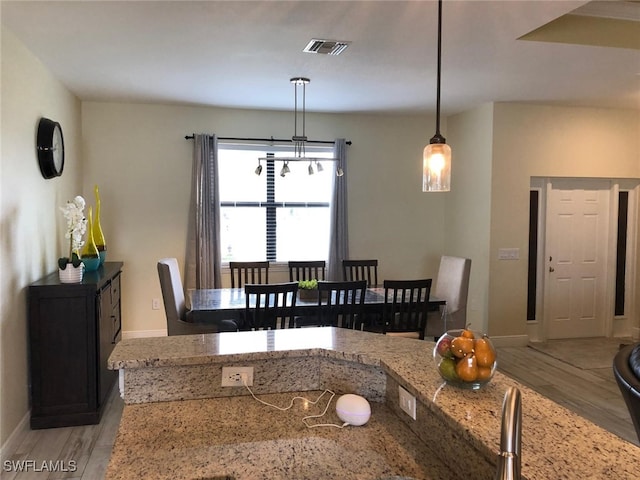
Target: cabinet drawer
[{"x": 115, "y": 290}]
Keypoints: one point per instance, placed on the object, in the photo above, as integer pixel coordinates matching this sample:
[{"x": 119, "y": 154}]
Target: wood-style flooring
[
  {"x": 83, "y": 451},
  {"x": 591, "y": 393}
]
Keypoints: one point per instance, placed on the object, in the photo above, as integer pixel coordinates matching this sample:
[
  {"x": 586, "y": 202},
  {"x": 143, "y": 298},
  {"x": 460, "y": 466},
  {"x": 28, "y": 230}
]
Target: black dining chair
[
  {"x": 405, "y": 309},
  {"x": 353, "y": 270},
  {"x": 340, "y": 304},
  {"x": 270, "y": 306},
  {"x": 307, "y": 270},
  {"x": 248, "y": 272}
]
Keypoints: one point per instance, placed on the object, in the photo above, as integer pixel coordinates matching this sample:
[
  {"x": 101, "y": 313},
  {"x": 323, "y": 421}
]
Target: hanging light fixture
[
  {"x": 258, "y": 170},
  {"x": 436, "y": 160},
  {"x": 285, "y": 169},
  {"x": 299, "y": 141}
]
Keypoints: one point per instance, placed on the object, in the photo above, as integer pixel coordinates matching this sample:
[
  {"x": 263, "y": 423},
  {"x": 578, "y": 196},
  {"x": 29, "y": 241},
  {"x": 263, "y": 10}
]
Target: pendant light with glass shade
[{"x": 436, "y": 160}]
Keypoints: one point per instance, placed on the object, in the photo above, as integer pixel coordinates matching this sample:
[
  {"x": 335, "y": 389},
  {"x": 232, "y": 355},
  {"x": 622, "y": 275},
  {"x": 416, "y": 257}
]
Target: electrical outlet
[
  {"x": 407, "y": 402},
  {"x": 233, "y": 376},
  {"x": 155, "y": 304}
]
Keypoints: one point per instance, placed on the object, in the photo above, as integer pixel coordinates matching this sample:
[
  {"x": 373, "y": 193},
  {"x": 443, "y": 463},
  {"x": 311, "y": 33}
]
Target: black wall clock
[{"x": 50, "y": 148}]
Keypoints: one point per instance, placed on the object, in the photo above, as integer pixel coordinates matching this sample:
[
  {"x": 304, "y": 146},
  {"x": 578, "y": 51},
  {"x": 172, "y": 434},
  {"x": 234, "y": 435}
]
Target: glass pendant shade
[
  {"x": 436, "y": 158},
  {"x": 436, "y": 168}
]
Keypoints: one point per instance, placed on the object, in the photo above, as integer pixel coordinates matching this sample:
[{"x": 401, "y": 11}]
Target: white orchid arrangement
[{"x": 73, "y": 212}]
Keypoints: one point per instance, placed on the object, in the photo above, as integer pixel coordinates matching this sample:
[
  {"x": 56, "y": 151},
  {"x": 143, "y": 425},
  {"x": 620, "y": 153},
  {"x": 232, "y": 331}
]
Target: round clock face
[
  {"x": 58, "y": 149},
  {"x": 50, "y": 148}
]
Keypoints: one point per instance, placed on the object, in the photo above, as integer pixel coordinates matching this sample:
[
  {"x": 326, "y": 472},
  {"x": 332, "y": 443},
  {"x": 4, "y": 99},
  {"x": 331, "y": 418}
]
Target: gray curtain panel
[
  {"x": 339, "y": 241},
  {"x": 202, "y": 265}
]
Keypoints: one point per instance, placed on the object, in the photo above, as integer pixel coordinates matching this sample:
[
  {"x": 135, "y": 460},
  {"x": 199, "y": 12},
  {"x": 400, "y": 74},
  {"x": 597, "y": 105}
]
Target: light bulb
[{"x": 436, "y": 168}]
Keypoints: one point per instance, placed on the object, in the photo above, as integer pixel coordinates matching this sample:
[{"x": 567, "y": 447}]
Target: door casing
[{"x": 614, "y": 326}]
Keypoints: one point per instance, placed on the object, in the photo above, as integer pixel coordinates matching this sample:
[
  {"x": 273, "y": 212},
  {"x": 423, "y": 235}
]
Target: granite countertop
[
  {"x": 556, "y": 443},
  {"x": 245, "y": 440}
]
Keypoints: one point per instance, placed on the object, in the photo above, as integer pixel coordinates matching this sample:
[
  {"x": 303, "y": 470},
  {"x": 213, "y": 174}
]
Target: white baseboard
[
  {"x": 15, "y": 438},
  {"x": 144, "y": 333},
  {"x": 510, "y": 341}
]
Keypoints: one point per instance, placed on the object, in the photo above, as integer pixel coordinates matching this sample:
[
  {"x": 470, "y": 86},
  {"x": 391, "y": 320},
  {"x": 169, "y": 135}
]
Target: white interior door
[{"x": 577, "y": 228}]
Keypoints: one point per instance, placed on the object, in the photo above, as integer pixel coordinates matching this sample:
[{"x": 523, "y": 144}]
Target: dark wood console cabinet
[{"x": 73, "y": 329}]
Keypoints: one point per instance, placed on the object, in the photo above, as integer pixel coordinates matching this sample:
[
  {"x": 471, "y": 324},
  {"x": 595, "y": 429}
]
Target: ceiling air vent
[{"x": 326, "y": 47}]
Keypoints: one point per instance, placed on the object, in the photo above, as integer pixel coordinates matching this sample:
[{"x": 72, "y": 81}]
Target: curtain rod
[{"x": 268, "y": 140}]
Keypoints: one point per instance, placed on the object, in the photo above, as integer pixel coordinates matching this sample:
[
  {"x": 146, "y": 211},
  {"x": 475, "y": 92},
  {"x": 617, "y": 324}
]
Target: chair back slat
[
  {"x": 270, "y": 306},
  {"x": 353, "y": 270},
  {"x": 248, "y": 272},
  {"x": 307, "y": 270},
  {"x": 406, "y": 304},
  {"x": 340, "y": 303}
]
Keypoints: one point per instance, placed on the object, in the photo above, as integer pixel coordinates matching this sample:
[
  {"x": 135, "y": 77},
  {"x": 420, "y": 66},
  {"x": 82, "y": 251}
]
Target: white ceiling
[{"x": 243, "y": 53}]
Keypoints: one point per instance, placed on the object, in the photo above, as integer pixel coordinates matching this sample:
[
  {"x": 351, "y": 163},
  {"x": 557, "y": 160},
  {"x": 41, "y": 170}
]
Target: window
[
  {"x": 621, "y": 252},
  {"x": 269, "y": 216}
]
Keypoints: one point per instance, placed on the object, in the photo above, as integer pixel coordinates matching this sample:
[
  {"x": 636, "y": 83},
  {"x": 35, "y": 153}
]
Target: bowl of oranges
[{"x": 465, "y": 359}]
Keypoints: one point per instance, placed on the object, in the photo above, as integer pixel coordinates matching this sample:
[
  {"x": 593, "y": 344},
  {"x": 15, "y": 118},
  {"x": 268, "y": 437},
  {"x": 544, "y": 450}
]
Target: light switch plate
[
  {"x": 407, "y": 402},
  {"x": 508, "y": 254}
]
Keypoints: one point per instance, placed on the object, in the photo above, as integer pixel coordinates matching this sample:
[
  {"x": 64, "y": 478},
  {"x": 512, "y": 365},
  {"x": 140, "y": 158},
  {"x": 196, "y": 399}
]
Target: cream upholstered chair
[
  {"x": 452, "y": 285},
  {"x": 180, "y": 321}
]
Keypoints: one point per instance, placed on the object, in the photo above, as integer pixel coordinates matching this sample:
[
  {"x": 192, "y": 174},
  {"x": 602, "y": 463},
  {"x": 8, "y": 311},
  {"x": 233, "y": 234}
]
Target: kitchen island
[{"x": 179, "y": 418}]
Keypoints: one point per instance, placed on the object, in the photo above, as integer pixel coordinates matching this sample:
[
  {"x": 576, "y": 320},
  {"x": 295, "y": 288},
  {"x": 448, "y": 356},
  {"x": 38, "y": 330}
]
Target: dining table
[{"x": 230, "y": 303}]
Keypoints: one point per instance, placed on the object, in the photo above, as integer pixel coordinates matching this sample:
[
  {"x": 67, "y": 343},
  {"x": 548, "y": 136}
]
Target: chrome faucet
[{"x": 509, "y": 458}]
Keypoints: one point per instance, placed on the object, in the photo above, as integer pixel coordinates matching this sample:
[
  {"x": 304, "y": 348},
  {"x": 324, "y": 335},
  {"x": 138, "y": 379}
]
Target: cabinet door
[{"x": 62, "y": 338}]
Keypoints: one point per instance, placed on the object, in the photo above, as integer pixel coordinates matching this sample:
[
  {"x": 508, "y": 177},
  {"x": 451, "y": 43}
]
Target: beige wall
[
  {"x": 138, "y": 155},
  {"x": 32, "y": 227},
  {"x": 468, "y": 207},
  {"x": 545, "y": 141}
]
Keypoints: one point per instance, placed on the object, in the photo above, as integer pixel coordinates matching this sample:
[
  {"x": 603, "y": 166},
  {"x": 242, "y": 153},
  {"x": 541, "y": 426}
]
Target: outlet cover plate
[
  {"x": 232, "y": 376},
  {"x": 407, "y": 402}
]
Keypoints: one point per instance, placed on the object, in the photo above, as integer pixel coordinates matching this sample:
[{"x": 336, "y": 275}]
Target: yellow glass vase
[
  {"x": 90, "y": 255},
  {"x": 98, "y": 235}
]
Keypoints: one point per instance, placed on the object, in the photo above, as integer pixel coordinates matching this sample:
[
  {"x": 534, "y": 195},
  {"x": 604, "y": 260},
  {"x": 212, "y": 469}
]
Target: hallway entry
[
  {"x": 577, "y": 226},
  {"x": 583, "y": 271}
]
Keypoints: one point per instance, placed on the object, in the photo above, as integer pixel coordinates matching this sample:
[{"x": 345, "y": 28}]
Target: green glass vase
[
  {"x": 90, "y": 255},
  {"x": 98, "y": 235}
]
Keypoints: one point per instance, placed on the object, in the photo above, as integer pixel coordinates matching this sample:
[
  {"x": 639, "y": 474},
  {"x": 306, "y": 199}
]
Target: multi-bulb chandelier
[{"x": 299, "y": 141}]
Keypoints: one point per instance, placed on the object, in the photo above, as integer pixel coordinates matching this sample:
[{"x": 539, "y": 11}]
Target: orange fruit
[
  {"x": 484, "y": 373},
  {"x": 461, "y": 346},
  {"x": 485, "y": 354},
  {"x": 467, "y": 369},
  {"x": 467, "y": 334}
]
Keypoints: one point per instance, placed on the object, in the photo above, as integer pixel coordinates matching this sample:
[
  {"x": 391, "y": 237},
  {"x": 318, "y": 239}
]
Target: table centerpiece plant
[
  {"x": 308, "y": 289},
  {"x": 70, "y": 268}
]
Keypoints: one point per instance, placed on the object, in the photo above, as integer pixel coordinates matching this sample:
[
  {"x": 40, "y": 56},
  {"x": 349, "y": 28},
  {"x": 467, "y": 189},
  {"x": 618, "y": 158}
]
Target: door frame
[{"x": 614, "y": 325}]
